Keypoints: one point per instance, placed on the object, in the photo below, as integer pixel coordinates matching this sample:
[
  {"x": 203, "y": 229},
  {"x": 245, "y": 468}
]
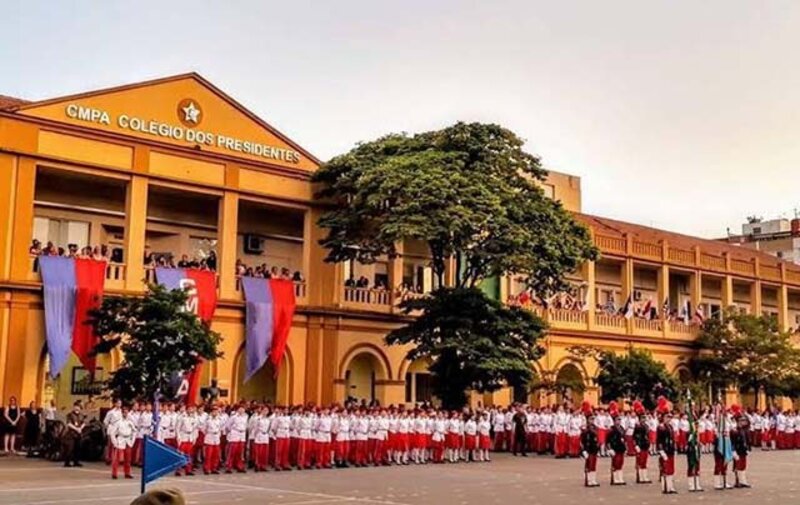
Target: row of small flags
[{"x": 629, "y": 310}]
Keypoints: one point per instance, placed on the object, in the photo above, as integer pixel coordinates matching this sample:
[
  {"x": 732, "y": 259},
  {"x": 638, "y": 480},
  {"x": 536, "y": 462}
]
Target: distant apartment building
[{"x": 777, "y": 237}]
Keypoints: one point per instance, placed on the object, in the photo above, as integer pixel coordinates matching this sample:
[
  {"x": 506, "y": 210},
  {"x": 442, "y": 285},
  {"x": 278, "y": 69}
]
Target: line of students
[{"x": 301, "y": 437}]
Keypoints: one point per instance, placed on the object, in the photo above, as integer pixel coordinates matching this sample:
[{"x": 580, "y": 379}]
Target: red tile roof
[{"x": 606, "y": 226}]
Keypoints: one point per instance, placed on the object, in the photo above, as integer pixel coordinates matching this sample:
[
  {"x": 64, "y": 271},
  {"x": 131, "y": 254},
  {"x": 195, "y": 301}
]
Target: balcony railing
[
  {"x": 648, "y": 325},
  {"x": 681, "y": 256},
  {"x": 367, "y": 296},
  {"x": 115, "y": 273},
  {"x": 711, "y": 262},
  {"x": 610, "y": 244},
  {"x": 612, "y": 321},
  {"x": 647, "y": 249},
  {"x": 299, "y": 288},
  {"x": 770, "y": 272}
]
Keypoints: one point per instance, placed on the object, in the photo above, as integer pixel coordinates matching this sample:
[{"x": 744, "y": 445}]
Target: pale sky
[{"x": 683, "y": 115}]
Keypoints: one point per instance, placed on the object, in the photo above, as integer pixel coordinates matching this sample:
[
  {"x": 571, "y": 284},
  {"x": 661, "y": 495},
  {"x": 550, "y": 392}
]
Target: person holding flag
[
  {"x": 692, "y": 449},
  {"x": 723, "y": 453},
  {"x": 741, "y": 448}
]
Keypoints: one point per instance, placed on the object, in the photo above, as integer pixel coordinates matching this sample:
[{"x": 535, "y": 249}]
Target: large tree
[
  {"x": 158, "y": 337},
  {"x": 470, "y": 193},
  {"x": 634, "y": 374},
  {"x": 746, "y": 351}
]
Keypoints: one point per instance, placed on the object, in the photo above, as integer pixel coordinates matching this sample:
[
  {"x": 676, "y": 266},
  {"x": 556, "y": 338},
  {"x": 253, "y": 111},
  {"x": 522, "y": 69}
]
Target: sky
[{"x": 682, "y": 115}]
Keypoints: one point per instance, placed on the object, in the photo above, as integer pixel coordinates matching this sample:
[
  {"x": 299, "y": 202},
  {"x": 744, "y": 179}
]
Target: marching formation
[
  {"x": 265, "y": 437},
  {"x": 277, "y": 438}
]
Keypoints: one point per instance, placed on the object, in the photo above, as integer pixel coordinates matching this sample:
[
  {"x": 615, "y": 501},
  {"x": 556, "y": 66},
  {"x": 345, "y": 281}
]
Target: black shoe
[
  {"x": 67, "y": 465},
  {"x": 78, "y": 465},
  {"x": 129, "y": 476}
]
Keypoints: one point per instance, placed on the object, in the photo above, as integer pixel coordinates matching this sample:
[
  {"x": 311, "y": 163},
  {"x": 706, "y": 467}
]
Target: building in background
[
  {"x": 174, "y": 167},
  {"x": 778, "y": 237}
]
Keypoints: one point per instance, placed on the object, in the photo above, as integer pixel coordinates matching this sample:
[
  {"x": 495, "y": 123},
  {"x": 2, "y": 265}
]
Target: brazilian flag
[{"x": 693, "y": 445}]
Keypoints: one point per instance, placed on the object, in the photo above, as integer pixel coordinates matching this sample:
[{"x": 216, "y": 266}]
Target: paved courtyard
[{"x": 507, "y": 480}]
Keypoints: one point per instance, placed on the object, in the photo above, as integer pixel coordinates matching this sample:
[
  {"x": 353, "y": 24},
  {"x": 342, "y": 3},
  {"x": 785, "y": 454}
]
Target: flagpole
[{"x": 144, "y": 458}]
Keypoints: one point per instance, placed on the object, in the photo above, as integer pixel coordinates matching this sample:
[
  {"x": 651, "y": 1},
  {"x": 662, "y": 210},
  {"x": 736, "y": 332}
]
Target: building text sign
[{"x": 190, "y": 115}]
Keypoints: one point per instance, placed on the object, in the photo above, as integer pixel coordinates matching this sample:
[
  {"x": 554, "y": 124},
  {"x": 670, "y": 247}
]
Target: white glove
[
  {"x": 637, "y": 449},
  {"x": 736, "y": 456},
  {"x": 663, "y": 455},
  {"x": 611, "y": 451},
  {"x": 585, "y": 454}
]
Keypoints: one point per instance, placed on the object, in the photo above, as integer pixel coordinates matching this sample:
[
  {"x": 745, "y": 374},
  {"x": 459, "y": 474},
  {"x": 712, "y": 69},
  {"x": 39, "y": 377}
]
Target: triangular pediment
[{"x": 184, "y": 110}]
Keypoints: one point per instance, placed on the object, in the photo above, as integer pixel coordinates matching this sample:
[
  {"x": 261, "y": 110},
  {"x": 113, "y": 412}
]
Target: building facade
[{"x": 174, "y": 167}]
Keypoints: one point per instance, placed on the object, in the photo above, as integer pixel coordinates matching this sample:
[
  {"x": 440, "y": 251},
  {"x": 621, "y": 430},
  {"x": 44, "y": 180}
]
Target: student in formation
[
  {"x": 665, "y": 442},
  {"x": 740, "y": 446},
  {"x": 641, "y": 444},
  {"x": 590, "y": 447},
  {"x": 617, "y": 448},
  {"x": 122, "y": 435},
  {"x": 213, "y": 428}
]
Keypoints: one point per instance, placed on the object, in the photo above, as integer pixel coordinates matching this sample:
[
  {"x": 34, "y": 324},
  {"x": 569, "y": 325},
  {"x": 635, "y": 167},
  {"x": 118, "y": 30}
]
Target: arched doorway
[
  {"x": 419, "y": 383},
  {"x": 263, "y": 386},
  {"x": 361, "y": 376},
  {"x": 569, "y": 384}
]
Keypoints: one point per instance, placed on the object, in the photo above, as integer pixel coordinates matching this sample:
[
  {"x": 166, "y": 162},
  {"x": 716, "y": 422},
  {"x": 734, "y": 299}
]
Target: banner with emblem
[{"x": 201, "y": 290}]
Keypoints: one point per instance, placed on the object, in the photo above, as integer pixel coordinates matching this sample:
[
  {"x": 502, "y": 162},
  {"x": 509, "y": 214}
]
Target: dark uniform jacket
[
  {"x": 616, "y": 440},
  {"x": 589, "y": 442},
  {"x": 74, "y": 420},
  {"x": 739, "y": 442},
  {"x": 665, "y": 440},
  {"x": 641, "y": 438}
]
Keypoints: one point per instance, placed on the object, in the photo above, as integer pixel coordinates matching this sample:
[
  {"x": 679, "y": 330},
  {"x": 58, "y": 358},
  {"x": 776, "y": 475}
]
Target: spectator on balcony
[
  {"x": 211, "y": 261},
  {"x": 350, "y": 283},
  {"x": 35, "y": 248},
  {"x": 241, "y": 268},
  {"x": 297, "y": 276},
  {"x": 184, "y": 262},
  {"x": 274, "y": 273},
  {"x": 148, "y": 257},
  {"x": 72, "y": 250},
  {"x": 97, "y": 253},
  {"x": 286, "y": 273},
  {"x": 362, "y": 282}
]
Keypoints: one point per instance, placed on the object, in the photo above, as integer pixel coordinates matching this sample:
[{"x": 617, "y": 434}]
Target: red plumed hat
[
  {"x": 638, "y": 408},
  {"x": 586, "y": 407},
  {"x": 613, "y": 409},
  {"x": 736, "y": 410},
  {"x": 662, "y": 405}
]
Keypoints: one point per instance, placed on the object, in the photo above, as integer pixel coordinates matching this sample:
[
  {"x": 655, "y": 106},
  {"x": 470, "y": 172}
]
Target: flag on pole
[
  {"x": 159, "y": 460},
  {"x": 700, "y": 314},
  {"x": 693, "y": 445},
  {"x": 648, "y": 305},
  {"x": 201, "y": 291},
  {"x": 71, "y": 288},
  {"x": 269, "y": 309},
  {"x": 665, "y": 308}
]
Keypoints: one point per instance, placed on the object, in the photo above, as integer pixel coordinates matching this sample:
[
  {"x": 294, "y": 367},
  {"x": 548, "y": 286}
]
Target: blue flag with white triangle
[{"x": 159, "y": 460}]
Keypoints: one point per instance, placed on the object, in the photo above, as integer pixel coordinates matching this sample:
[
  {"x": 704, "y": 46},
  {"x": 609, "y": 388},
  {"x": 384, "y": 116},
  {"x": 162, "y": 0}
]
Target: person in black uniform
[
  {"x": 520, "y": 438},
  {"x": 590, "y": 447},
  {"x": 616, "y": 447},
  {"x": 71, "y": 438},
  {"x": 641, "y": 444},
  {"x": 665, "y": 444},
  {"x": 741, "y": 448}
]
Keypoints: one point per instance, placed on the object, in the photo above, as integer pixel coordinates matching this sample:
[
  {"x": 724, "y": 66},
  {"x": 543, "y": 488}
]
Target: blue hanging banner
[{"x": 159, "y": 460}]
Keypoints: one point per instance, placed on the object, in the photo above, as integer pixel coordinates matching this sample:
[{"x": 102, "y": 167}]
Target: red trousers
[
  {"x": 361, "y": 452},
  {"x": 137, "y": 452},
  {"x": 591, "y": 463},
  {"x": 188, "y": 449},
  {"x": 438, "y": 451},
  {"x": 667, "y": 465},
  {"x": 740, "y": 464},
  {"x": 341, "y": 450},
  {"x": 720, "y": 467},
  {"x": 560, "y": 444},
  {"x": 379, "y": 452},
  {"x": 323, "y": 454},
  {"x": 235, "y": 456},
  {"x": 125, "y": 456},
  {"x": 641, "y": 460},
  {"x": 282, "y": 453},
  {"x": 499, "y": 439},
  {"x": 304, "y": 451},
  {"x": 211, "y": 458},
  {"x": 574, "y": 445},
  {"x": 617, "y": 460},
  {"x": 630, "y": 446},
  {"x": 260, "y": 455}
]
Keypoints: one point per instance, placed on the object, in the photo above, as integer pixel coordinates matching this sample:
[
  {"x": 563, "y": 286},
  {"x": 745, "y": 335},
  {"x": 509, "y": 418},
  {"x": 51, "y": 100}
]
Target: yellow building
[{"x": 176, "y": 167}]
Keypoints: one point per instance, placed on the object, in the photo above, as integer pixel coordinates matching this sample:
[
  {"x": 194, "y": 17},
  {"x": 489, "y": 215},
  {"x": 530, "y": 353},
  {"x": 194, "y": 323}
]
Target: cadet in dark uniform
[
  {"x": 71, "y": 438},
  {"x": 641, "y": 444},
  {"x": 665, "y": 444},
  {"x": 741, "y": 448},
  {"x": 590, "y": 446},
  {"x": 520, "y": 437},
  {"x": 616, "y": 445}
]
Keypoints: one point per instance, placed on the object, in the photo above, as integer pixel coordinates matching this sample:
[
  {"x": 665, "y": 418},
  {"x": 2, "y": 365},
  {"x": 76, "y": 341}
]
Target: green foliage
[
  {"x": 474, "y": 343},
  {"x": 468, "y": 191},
  {"x": 158, "y": 339},
  {"x": 746, "y": 351},
  {"x": 634, "y": 375}
]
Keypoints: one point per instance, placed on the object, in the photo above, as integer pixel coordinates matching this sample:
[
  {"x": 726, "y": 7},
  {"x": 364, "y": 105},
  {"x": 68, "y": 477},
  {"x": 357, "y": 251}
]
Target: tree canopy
[
  {"x": 468, "y": 191},
  {"x": 475, "y": 343},
  {"x": 634, "y": 375},
  {"x": 746, "y": 351},
  {"x": 158, "y": 339}
]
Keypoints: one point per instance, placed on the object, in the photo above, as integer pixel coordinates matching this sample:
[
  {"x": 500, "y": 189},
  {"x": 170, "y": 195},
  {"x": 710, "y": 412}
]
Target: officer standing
[{"x": 71, "y": 438}]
